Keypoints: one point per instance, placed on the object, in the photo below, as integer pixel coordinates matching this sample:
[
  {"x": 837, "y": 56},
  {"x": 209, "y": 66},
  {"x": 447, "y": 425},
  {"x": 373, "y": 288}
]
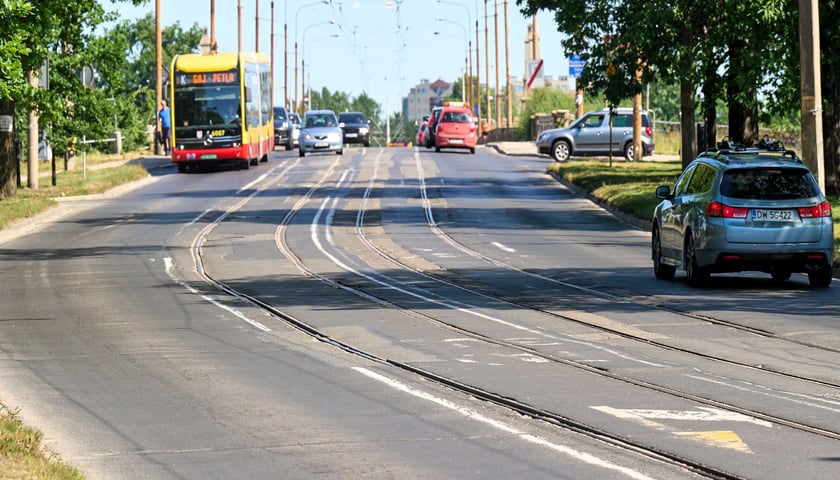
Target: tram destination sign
[{"x": 206, "y": 78}]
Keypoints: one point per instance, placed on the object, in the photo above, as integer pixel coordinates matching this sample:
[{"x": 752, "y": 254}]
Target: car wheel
[
  {"x": 629, "y": 152},
  {"x": 560, "y": 151},
  {"x": 255, "y": 161},
  {"x": 472, "y": 150},
  {"x": 339, "y": 151},
  {"x": 661, "y": 270},
  {"x": 820, "y": 278},
  {"x": 246, "y": 164},
  {"x": 301, "y": 153},
  {"x": 367, "y": 144},
  {"x": 437, "y": 149},
  {"x": 695, "y": 275},
  {"x": 182, "y": 167}
]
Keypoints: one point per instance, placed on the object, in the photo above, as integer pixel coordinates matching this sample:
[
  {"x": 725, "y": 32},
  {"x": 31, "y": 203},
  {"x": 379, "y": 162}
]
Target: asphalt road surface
[{"x": 400, "y": 314}]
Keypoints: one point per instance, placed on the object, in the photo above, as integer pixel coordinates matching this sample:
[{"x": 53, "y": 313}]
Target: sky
[{"x": 379, "y": 47}]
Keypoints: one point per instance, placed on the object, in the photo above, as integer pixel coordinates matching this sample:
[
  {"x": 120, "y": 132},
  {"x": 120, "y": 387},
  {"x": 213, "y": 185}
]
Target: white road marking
[
  {"x": 168, "y": 263},
  {"x": 252, "y": 183},
  {"x": 706, "y": 414},
  {"x": 715, "y": 438},
  {"x": 503, "y": 247},
  {"x": 507, "y": 429}
]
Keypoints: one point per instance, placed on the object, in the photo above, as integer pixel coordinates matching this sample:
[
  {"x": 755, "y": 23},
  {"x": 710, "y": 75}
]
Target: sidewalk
[{"x": 529, "y": 149}]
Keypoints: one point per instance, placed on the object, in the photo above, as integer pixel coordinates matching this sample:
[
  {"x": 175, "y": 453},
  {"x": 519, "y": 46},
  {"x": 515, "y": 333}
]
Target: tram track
[{"x": 502, "y": 400}]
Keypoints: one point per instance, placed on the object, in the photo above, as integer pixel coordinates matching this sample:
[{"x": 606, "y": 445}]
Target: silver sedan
[{"x": 320, "y": 133}]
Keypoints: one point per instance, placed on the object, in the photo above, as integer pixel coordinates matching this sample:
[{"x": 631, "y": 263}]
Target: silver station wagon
[{"x": 744, "y": 209}]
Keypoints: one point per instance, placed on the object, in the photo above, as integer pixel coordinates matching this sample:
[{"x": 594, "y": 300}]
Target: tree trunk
[
  {"x": 8, "y": 159},
  {"x": 743, "y": 99},
  {"x": 688, "y": 131},
  {"x": 710, "y": 92},
  {"x": 688, "y": 136},
  {"x": 831, "y": 127}
]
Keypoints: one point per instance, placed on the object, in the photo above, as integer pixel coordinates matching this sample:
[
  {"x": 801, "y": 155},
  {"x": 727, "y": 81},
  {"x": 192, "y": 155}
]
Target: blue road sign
[{"x": 575, "y": 65}]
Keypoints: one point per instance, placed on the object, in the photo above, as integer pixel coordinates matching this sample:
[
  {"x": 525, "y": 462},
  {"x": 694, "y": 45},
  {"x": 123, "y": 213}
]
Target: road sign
[
  {"x": 576, "y": 65},
  {"x": 536, "y": 73}
]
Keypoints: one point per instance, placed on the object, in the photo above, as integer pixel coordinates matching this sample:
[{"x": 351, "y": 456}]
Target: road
[{"x": 400, "y": 313}]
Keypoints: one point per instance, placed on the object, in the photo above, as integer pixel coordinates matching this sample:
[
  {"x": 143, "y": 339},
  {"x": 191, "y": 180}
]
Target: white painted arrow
[
  {"x": 707, "y": 414},
  {"x": 715, "y": 438}
]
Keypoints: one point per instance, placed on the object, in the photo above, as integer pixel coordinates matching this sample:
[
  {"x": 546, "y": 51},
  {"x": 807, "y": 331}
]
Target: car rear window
[
  {"x": 768, "y": 184},
  {"x": 457, "y": 117},
  {"x": 351, "y": 118}
]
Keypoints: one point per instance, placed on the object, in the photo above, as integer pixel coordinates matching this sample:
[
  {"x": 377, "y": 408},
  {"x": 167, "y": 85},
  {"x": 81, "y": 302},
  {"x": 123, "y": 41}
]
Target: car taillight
[
  {"x": 717, "y": 209},
  {"x": 817, "y": 211},
  {"x": 648, "y": 131}
]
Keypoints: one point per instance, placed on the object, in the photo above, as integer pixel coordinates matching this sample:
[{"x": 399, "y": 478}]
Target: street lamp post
[
  {"x": 475, "y": 97},
  {"x": 466, "y": 50},
  {"x": 324, "y": 2},
  {"x": 303, "y": 58}
]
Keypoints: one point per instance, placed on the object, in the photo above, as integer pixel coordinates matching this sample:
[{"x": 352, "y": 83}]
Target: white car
[
  {"x": 320, "y": 133},
  {"x": 294, "y": 123}
]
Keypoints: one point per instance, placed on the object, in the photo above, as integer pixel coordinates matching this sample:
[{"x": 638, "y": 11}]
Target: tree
[
  {"x": 13, "y": 48},
  {"x": 28, "y": 33}
]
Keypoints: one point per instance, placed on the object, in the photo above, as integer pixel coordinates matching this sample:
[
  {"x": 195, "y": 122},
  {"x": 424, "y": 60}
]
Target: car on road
[
  {"x": 282, "y": 129},
  {"x": 743, "y": 209},
  {"x": 356, "y": 127},
  {"x": 590, "y": 135},
  {"x": 320, "y": 133},
  {"x": 420, "y": 138},
  {"x": 429, "y": 138},
  {"x": 456, "y": 129},
  {"x": 294, "y": 121}
]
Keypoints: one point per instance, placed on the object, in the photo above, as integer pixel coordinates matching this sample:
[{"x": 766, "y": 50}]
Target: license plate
[
  {"x": 321, "y": 144},
  {"x": 456, "y": 140},
  {"x": 771, "y": 215},
  {"x": 350, "y": 135},
  {"x": 208, "y": 156}
]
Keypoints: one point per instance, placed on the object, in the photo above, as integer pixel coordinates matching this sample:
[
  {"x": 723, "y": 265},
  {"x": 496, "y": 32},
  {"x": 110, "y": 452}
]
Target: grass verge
[
  {"x": 28, "y": 202},
  {"x": 629, "y": 186},
  {"x": 22, "y": 455}
]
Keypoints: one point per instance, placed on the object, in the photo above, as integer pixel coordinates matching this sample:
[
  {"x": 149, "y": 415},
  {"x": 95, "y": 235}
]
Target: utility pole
[
  {"x": 508, "y": 89},
  {"x": 286, "y": 55},
  {"x": 239, "y": 24},
  {"x": 496, "y": 40},
  {"x": 272, "y": 55},
  {"x": 477, "y": 72},
  {"x": 32, "y": 174},
  {"x": 811, "y": 91},
  {"x": 212, "y": 24},
  {"x": 257, "y": 26},
  {"x": 158, "y": 69},
  {"x": 487, "y": 62}
]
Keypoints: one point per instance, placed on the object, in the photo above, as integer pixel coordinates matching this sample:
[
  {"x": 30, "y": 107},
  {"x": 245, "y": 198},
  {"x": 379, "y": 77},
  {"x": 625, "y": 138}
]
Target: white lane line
[
  {"x": 473, "y": 415},
  {"x": 168, "y": 263},
  {"x": 253, "y": 182},
  {"x": 503, "y": 247}
]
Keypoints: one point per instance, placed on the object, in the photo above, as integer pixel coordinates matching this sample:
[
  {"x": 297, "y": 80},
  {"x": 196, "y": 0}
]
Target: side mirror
[
  {"x": 248, "y": 95},
  {"x": 341, "y": 124},
  {"x": 663, "y": 192}
]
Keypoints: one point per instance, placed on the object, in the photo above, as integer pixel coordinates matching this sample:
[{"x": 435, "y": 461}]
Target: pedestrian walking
[{"x": 163, "y": 126}]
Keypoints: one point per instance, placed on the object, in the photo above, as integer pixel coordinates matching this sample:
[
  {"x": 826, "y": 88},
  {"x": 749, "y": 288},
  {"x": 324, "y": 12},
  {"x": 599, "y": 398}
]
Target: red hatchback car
[
  {"x": 455, "y": 129},
  {"x": 420, "y": 139}
]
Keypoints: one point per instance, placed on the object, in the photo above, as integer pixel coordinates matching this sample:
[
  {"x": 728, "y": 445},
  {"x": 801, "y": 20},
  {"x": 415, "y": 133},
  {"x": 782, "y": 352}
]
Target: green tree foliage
[
  {"x": 14, "y": 45},
  {"x": 724, "y": 49}
]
